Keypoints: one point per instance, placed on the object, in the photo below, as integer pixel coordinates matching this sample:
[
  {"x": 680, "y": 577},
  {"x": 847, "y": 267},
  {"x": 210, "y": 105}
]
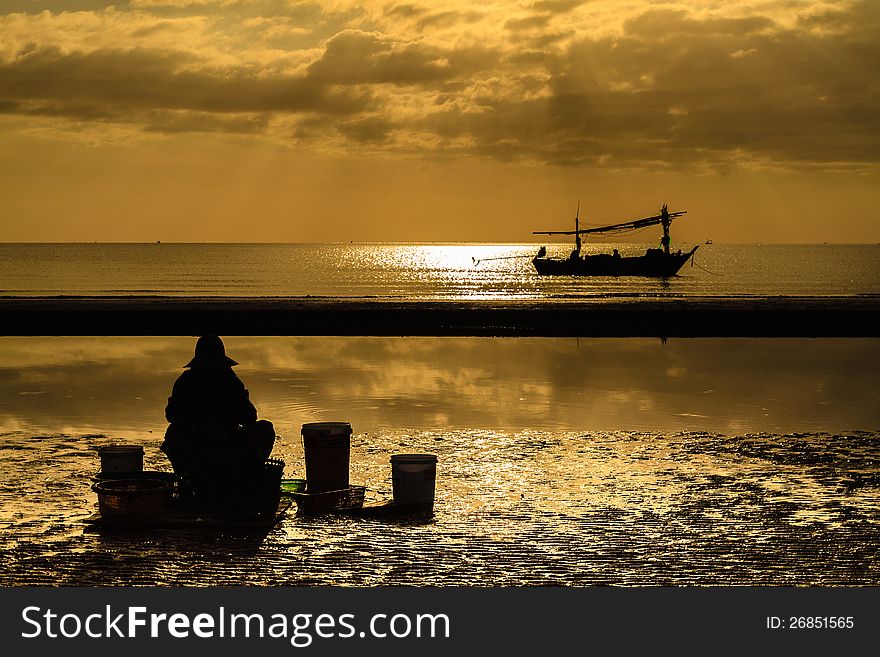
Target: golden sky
[{"x": 326, "y": 120}]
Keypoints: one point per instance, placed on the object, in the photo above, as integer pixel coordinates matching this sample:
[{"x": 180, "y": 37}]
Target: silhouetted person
[{"x": 214, "y": 441}]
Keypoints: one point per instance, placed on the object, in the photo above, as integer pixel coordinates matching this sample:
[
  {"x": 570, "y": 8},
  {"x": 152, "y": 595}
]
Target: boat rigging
[{"x": 656, "y": 262}]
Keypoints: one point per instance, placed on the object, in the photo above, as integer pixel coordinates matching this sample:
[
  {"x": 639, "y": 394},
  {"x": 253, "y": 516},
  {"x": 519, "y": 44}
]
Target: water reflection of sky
[{"x": 120, "y": 384}]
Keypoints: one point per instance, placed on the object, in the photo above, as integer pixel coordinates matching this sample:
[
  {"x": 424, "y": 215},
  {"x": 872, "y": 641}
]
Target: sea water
[{"x": 422, "y": 271}]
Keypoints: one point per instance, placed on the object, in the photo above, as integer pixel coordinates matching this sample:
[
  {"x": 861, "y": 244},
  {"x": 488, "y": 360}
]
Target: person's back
[
  {"x": 210, "y": 395},
  {"x": 213, "y": 437}
]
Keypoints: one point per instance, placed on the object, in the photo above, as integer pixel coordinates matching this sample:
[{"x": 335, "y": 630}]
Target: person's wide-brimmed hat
[{"x": 210, "y": 352}]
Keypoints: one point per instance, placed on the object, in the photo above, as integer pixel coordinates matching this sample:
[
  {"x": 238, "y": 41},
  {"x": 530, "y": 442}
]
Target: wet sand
[
  {"x": 610, "y": 317},
  {"x": 512, "y": 509},
  {"x": 760, "y": 467}
]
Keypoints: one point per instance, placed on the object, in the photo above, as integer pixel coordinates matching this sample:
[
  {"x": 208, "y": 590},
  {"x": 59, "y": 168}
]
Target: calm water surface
[
  {"x": 421, "y": 271},
  {"x": 570, "y": 462}
]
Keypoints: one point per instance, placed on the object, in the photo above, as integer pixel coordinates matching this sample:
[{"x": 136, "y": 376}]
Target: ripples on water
[
  {"x": 529, "y": 508},
  {"x": 421, "y": 271}
]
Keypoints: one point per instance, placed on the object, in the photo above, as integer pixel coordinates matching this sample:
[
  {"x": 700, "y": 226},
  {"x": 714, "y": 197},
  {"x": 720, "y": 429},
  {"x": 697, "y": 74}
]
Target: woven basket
[
  {"x": 330, "y": 501},
  {"x": 132, "y": 499},
  {"x": 260, "y": 496}
]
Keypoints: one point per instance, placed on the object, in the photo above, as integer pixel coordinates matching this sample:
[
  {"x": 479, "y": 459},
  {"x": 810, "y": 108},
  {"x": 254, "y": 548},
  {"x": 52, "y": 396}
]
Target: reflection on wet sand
[
  {"x": 530, "y": 508},
  {"x": 119, "y": 385},
  {"x": 561, "y": 462}
]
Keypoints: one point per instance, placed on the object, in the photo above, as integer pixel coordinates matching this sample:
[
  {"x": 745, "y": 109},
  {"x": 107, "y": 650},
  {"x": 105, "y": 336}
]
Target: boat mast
[
  {"x": 577, "y": 229},
  {"x": 665, "y": 222}
]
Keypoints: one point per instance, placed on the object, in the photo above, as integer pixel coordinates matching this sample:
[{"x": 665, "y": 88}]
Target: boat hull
[{"x": 654, "y": 264}]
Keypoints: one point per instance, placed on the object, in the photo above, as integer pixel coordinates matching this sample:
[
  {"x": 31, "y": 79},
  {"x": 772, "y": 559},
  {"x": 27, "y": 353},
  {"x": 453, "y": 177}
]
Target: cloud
[
  {"x": 527, "y": 23},
  {"x": 354, "y": 57},
  {"x": 635, "y": 101},
  {"x": 300, "y": 10},
  {"x": 167, "y": 80},
  {"x": 739, "y": 54},
  {"x": 669, "y": 23},
  {"x": 558, "y": 81},
  {"x": 170, "y": 122},
  {"x": 557, "y": 6},
  {"x": 440, "y": 19},
  {"x": 57, "y": 6},
  {"x": 367, "y": 130},
  {"x": 56, "y": 109},
  {"x": 859, "y": 19},
  {"x": 405, "y": 11}
]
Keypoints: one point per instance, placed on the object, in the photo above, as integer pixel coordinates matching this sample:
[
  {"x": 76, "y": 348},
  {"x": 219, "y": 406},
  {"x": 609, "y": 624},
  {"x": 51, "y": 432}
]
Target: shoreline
[{"x": 336, "y": 316}]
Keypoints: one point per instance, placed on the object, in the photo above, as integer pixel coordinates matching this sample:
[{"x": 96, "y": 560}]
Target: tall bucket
[
  {"x": 121, "y": 458},
  {"x": 413, "y": 477},
  {"x": 327, "y": 447}
]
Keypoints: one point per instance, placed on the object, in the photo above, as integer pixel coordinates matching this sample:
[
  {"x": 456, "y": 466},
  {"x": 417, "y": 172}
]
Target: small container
[
  {"x": 413, "y": 478},
  {"x": 327, "y": 447},
  {"x": 293, "y": 485},
  {"x": 170, "y": 477},
  {"x": 132, "y": 499},
  {"x": 331, "y": 501},
  {"x": 258, "y": 497},
  {"x": 121, "y": 458}
]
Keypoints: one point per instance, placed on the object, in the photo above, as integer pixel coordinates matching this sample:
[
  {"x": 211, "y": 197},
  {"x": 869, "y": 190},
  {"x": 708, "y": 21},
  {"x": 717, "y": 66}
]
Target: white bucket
[
  {"x": 121, "y": 458},
  {"x": 413, "y": 478}
]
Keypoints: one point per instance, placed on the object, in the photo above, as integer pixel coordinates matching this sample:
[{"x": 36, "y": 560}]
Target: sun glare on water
[{"x": 473, "y": 271}]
